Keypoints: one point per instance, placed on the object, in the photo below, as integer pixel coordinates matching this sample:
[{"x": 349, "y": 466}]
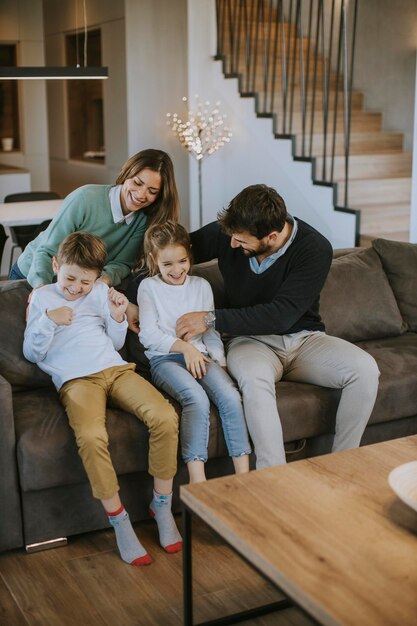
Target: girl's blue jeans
[{"x": 170, "y": 373}]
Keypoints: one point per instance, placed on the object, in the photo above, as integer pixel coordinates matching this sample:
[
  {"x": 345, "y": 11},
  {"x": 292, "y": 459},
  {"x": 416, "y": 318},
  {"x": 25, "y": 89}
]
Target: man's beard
[{"x": 263, "y": 249}]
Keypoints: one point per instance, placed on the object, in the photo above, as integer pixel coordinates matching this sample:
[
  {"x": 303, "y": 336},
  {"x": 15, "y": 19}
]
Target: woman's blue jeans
[
  {"x": 170, "y": 373},
  {"x": 15, "y": 273}
]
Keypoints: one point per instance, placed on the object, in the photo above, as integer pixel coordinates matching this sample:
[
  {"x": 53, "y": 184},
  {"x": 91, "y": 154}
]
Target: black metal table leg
[{"x": 187, "y": 567}]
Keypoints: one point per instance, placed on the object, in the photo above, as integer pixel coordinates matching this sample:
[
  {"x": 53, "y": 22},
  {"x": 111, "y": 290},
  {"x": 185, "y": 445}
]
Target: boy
[{"x": 74, "y": 329}]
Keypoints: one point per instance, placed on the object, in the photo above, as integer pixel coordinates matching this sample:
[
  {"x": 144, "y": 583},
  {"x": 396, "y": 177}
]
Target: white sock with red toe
[
  {"x": 130, "y": 548},
  {"x": 160, "y": 509}
]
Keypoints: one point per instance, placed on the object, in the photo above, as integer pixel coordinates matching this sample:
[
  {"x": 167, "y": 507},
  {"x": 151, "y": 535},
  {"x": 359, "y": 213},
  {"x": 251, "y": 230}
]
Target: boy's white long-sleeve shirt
[
  {"x": 160, "y": 305},
  {"x": 87, "y": 346}
]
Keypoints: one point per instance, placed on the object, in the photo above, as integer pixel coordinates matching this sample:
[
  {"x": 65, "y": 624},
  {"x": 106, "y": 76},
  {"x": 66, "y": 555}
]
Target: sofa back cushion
[
  {"x": 210, "y": 271},
  {"x": 399, "y": 260},
  {"x": 13, "y": 366},
  {"x": 357, "y": 302}
]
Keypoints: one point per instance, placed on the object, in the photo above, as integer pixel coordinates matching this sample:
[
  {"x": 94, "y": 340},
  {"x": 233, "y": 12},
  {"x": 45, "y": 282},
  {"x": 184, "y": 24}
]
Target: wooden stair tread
[
  {"x": 366, "y": 239},
  {"x": 366, "y": 167},
  {"x": 371, "y": 191},
  {"x": 395, "y": 208},
  {"x": 383, "y": 142}
]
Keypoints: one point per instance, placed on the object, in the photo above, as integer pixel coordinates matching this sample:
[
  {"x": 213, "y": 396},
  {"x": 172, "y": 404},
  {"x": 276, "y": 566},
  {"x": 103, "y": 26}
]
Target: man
[{"x": 274, "y": 267}]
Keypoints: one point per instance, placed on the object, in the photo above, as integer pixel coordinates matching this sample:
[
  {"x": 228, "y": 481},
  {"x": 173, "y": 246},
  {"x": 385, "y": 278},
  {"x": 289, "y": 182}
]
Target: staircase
[{"x": 296, "y": 58}]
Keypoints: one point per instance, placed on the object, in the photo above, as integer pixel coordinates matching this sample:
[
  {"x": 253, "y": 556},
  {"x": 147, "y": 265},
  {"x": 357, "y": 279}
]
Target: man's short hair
[
  {"x": 258, "y": 210},
  {"x": 83, "y": 249}
]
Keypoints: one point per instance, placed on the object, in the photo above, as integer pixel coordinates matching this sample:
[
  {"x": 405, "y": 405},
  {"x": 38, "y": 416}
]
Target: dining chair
[
  {"x": 22, "y": 235},
  {"x": 3, "y": 238}
]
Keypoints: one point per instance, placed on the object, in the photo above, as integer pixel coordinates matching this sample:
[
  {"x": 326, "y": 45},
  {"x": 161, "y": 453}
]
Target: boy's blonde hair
[
  {"x": 83, "y": 249},
  {"x": 158, "y": 237}
]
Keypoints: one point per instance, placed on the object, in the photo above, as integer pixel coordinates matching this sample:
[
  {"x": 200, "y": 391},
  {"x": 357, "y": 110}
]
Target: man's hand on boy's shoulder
[
  {"x": 117, "y": 304},
  {"x": 62, "y": 316}
]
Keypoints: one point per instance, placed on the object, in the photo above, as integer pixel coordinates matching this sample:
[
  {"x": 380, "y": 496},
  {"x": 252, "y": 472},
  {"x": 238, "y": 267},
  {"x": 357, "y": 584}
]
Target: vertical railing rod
[
  {"x": 339, "y": 46},
  {"x": 316, "y": 57},
  {"x": 275, "y": 63},
  {"x": 220, "y": 30},
  {"x": 327, "y": 82},
  {"x": 307, "y": 83},
  {"x": 228, "y": 11},
  {"x": 267, "y": 55},
  {"x": 347, "y": 147},
  {"x": 275, "y": 59},
  {"x": 302, "y": 78},
  {"x": 294, "y": 59},
  {"x": 310, "y": 19},
  {"x": 239, "y": 36},
  {"x": 233, "y": 35},
  {"x": 283, "y": 68},
  {"x": 263, "y": 47},
  {"x": 249, "y": 43},
  {"x": 345, "y": 98},
  {"x": 287, "y": 61},
  {"x": 325, "y": 102},
  {"x": 255, "y": 55}
]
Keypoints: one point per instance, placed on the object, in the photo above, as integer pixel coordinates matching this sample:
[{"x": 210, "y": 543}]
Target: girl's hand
[
  {"x": 117, "y": 304},
  {"x": 132, "y": 313},
  {"x": 195, "y": 361},
  {"x": 62, "y": 316}
]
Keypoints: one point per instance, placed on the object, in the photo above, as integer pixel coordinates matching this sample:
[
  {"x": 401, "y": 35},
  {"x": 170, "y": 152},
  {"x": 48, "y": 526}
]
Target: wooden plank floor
[{"x": 85, "y": 583}]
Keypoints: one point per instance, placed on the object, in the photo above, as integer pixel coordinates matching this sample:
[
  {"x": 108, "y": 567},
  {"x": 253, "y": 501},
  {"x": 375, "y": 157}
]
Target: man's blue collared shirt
[{"x": 258, "y": 268}]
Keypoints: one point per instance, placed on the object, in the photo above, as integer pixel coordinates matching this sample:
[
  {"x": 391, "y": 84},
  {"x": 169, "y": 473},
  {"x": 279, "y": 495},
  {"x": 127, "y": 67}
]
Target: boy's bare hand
[
  {"x": 62, "y": 316},
  {"x": 117, "y": 304}
]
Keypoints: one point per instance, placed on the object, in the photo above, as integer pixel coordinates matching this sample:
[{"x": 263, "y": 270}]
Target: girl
[
  {"x": 191, "y": 372},
  {"x": 144, "y": 193}
]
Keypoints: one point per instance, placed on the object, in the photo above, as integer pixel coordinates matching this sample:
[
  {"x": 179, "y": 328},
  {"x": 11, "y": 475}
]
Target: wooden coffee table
[{"x": 328, "y": 531}]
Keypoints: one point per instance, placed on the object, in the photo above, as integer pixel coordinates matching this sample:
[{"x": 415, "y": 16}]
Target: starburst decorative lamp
[{"x": 201, "y": 134}]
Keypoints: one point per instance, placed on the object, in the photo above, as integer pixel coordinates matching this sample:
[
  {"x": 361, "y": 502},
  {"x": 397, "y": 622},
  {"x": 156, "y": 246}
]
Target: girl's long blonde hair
[{"x": 158, "y": 237}]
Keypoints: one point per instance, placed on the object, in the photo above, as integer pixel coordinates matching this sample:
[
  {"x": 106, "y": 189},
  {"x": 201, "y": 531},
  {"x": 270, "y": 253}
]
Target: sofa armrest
[{"x": 11, "y": 535}]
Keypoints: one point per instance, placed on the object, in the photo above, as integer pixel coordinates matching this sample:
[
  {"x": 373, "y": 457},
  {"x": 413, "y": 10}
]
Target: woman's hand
[
  {"x": 118, "y": 304},
  {"x": 105, "y": 279},
  {"x": 132, "y": 313}
]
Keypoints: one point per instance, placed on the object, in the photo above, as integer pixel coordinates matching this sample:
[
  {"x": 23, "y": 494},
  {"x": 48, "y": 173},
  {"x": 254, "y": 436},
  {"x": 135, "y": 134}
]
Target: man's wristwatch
[{"x": 209, "y": 319}]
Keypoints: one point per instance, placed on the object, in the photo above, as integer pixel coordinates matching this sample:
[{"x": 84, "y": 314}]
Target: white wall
[
  {"x": 61, "y": 19},
  {"x": 21, "y": 22},
  {"x": 156, "y": 45},
  {"x": 413, "y": 213},
  {"x": 385, "y": 61},
  {"x": 253, "y": 155}
]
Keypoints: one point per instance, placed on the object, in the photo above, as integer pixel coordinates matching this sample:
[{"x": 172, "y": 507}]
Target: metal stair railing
[{"x": 296, "y": 57}]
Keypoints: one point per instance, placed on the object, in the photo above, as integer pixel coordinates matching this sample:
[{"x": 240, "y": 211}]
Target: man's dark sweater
[{"x": 283, "y": 299}]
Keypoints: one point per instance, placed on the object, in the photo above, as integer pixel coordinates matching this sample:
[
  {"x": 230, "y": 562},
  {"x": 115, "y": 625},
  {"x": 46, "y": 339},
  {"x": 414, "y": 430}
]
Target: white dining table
[{"x": 23, "y": 214}]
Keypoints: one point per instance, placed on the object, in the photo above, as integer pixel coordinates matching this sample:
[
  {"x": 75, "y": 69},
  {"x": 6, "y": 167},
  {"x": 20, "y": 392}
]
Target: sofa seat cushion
[
  {"x": 47, "y": 453},
  {"x": 357, "y": 302},
  {"x": 306, "y": 410},
  {"x": 399, "y": 260},
  {"x": 397, "y": 362}
]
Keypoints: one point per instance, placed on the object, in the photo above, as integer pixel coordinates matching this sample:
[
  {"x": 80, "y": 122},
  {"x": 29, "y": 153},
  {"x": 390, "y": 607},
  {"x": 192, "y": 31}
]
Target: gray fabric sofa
[{"x": 370, "y": 298}]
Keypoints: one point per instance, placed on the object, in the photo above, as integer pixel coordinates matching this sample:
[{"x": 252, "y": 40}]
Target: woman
[{"x": 145, "y": 193}]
